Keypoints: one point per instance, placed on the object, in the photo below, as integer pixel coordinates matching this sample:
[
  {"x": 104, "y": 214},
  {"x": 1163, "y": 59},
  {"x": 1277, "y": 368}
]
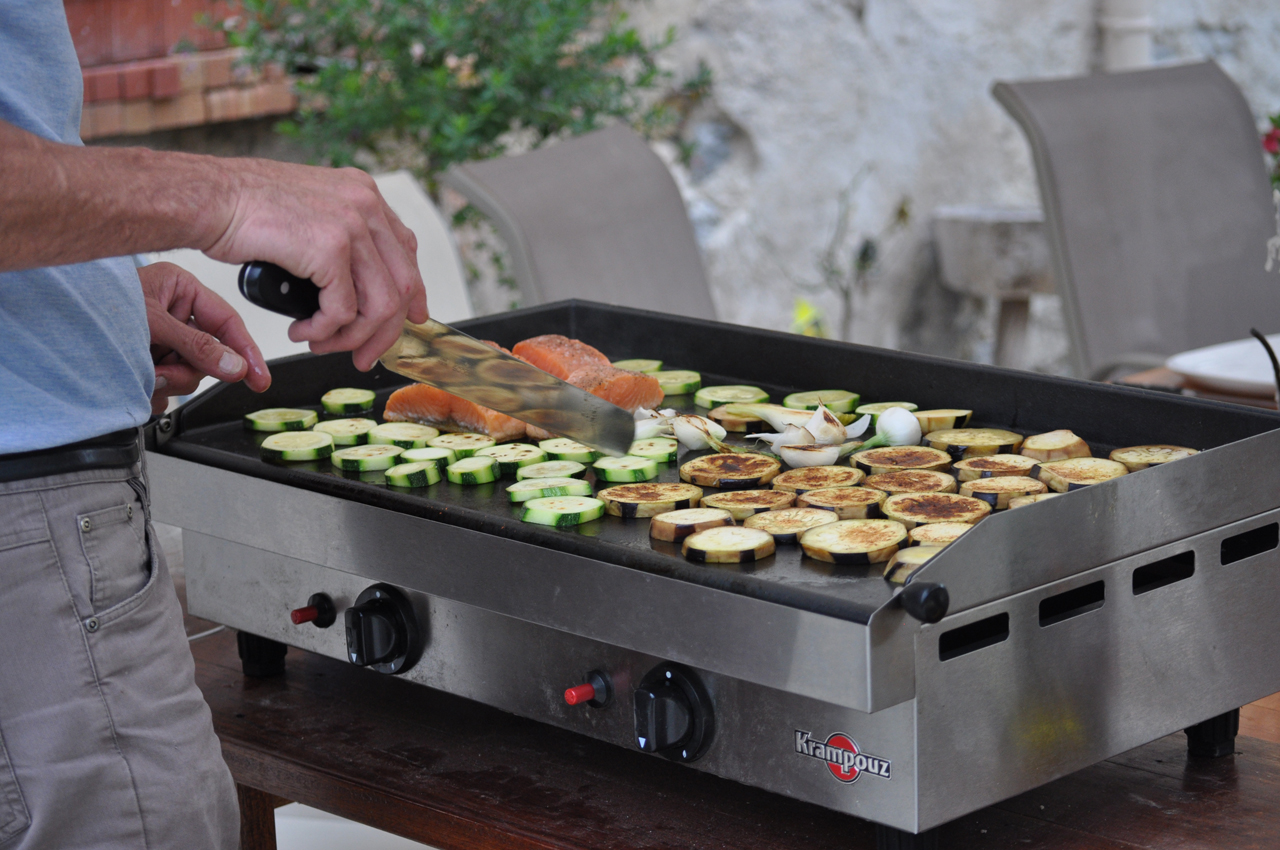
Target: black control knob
[
  {"x": 673, "y": 713},
  {"x": 382, "y": 630}
]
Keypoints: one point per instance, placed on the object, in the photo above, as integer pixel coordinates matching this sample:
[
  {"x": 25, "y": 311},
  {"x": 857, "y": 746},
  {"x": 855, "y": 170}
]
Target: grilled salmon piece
[
  {"x": 431, "y": 406},
  {"x": 558, "y": 354},
  {"x": 628, "y": 390}
]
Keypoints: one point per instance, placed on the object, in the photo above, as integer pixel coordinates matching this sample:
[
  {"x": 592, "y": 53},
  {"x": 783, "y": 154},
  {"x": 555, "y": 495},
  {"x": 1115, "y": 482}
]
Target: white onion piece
[
  {"x": 813, "y": 455},
  {"x": 776, "y": 415},
  {"x": 825, "y": 427},
  {"x": 857, "y": 428},
  {"x": 692, "y": 431},
  {"x": 792, "y": 435},
  {"x": 647, "y": 429},
  {"x": 898, "y": 427},
  {"x": 643, "y": 413}
]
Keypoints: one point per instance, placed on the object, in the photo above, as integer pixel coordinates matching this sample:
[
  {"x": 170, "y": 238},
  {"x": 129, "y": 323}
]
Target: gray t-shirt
[{"x": 74, "y": 346}]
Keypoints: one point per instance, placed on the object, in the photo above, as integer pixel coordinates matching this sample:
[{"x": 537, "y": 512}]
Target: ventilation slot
[
  {"x": 1073, "y": 603},
  {"x": 1165, "y": 571},
  {"x": 973, "y": 637},
  {"x": 1250, "y": 543}
]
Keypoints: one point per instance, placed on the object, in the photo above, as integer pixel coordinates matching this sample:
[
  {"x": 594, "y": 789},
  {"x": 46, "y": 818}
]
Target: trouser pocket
[
  {"x": 14, "y": 817},
  {"x": 113, "y": 540}
]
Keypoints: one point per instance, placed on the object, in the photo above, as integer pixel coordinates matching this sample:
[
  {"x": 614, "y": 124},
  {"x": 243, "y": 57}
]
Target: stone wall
[{"x": 888, "y": 102}]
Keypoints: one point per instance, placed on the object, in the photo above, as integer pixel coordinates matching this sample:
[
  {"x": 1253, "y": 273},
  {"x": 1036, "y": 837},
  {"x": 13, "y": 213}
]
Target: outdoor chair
[
  {"x": 1158, "y": 207},
  {"x": 596, "y": 217}
]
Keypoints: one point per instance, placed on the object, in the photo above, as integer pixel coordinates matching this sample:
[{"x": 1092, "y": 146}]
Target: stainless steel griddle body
[{"x": 1078, "y": 628}]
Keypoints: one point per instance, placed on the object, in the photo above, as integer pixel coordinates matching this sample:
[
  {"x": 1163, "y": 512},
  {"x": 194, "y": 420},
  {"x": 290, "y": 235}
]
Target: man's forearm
[{"x": 64, "y": 204}]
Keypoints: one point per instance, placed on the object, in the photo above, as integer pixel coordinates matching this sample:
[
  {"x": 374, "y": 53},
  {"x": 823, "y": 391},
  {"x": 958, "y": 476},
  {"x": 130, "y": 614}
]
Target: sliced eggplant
[
  {"x": 674, "y": 526},
  {"x": 992, "y": 466},
  {"x": 912, "y": 481},
  {"x": 731, "y": 470},
  {"x": 648, "y": 499},
  {"x": 963, "y": 443},
  {"x": 845, "y": 502},
  {"x": 1063, "y": 476},
  {"x": 739, "y": 423},
  {"x": 787, "y": 524},
  {"x": 1023, "y": 501},
  {"x": 854, "y": 541},
  {"x": 1140, "y": 457},
  {"x": 904, "y": 564},
  {"x": 728, "y": 544},
  {"x": 937, "y": 533},
  {"x": 744, "y": 503},
  {"x": 894, "y": 458},
  {"x": 912, "y": 509},
  {"x": 937, "y": 420},
  {"x": 806, "y": 478},
  {"x": 1055, "y": 445},
  {"x": 998, "y": 491}
]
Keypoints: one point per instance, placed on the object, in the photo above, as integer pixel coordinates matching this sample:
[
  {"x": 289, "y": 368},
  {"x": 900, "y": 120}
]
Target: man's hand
[
  {"x": 195, "y": 333},
  {"x": 332, "y": 226}
]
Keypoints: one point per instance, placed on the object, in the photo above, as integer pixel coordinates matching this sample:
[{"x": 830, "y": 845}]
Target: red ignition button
[
  {"x": 305, "y": 615},
  {"x": 596, "y": 692},
  {"x": 581, "y": 693},
  {"x": 319, "y": 611}
]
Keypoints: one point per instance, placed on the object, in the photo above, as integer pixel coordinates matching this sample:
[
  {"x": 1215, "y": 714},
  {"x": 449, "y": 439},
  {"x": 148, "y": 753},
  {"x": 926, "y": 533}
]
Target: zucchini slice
[
  {"x": 729, "y": 394},
  {"x": 661, "y": 449},
  {"x": 643, "y": 500},
  {"x": 740, "y": 422},
  {"x": 406, "y": 435},
  {"x": 998, "y": 491},
  {"x": 806, "y": 478},
  {"x": 463, "y": 444},
  {"x": 937, "y": 420},
  {"x": 280, "y": 419},
  {"x": 552, "y": 469},
  {"x": 837, "y": 401},
  {"x": 512, "y": 456},
  {"x": 638, "y": 365},
  {"x": 472, "y": 470},
  {"x": 421, "y": 473},
  {"x": 625, "y": 468},
  {"x": 936, "y": 533},
  {"x": 562, "y": 448},
  {"x": 1140, "y": 457},
  {"x": 911, "y": 481},
  {"x": 912, "y": 509},
  {"x": 541, "y": 488},
  {"x": 346, "y": 432},
  {"x": 347, "y": 400},
  {"x": 728, "y": 544},
  {"x": 674, "y": 526},
  {"x": 1023, "y": 501},
  {"x": 366, "y": 458},
  {"x": 845, "y": 502},
  {"x": 992, "y": 466},
  {"x": 854, "y": 541},
  {"x": 963, "y": 443},
  {"x": 562, "y": 511},
  {"x": 904, "y": 564},
  {"x": 678, "y": 381},
  {"x": 440, "y": 457},
  {"x": 731, "y": 471},
  {"x": 874, "y": 410},
  {"x": 1062, "y": 476},
  {"x": 743, "y": 503},
  {"x": 297, "y": 445},
  {"x": 786, "y": 525},
  {"x": 1055, "y": 445},
  {"x": 894, "y": 458}
]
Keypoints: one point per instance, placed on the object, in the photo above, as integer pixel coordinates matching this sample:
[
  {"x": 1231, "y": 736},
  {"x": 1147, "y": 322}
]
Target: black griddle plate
[{"x": 209, "y": 430}]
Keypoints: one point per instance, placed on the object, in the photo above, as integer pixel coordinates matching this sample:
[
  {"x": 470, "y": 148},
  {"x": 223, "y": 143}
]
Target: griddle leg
[
  {"x": 888, "y": 838},
  {"x": 1215, "y": 737},
  {"x": 260, "y": 657}
]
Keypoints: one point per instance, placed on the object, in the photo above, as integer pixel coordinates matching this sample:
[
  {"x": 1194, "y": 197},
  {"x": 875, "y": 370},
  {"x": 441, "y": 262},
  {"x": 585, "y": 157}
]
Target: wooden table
[{"x": 458, "y": 775}]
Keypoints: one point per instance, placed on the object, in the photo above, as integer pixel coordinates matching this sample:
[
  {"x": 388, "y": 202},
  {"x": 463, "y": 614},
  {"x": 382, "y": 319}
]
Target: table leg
[{"x": 257, "y": 818}]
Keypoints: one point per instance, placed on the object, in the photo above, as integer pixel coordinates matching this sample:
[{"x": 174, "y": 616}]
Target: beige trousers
[{"x": 105, "y": 741}]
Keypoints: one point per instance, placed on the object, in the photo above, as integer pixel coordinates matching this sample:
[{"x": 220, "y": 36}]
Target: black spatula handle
[{"x": 272, "y": 288}]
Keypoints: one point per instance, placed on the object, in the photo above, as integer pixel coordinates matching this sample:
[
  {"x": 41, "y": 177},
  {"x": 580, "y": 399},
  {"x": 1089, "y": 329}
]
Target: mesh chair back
[
  {"x": 1158, "y": 207},
  {"x": 595, "y": 217}
]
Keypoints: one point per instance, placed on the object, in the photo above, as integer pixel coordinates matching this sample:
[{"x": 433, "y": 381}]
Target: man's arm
[{"x": 63, "y": 204}]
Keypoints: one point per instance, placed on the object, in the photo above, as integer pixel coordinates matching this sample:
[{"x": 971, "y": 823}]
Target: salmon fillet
[
  {"x": 558, "y": 354},
  {"x": 431, "y": 406},
  {"x": 628, "y": 390}
]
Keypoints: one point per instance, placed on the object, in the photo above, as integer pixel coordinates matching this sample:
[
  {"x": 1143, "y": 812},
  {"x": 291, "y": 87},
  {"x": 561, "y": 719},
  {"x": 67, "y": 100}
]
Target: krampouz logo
[{"x": 842, "y": 756}]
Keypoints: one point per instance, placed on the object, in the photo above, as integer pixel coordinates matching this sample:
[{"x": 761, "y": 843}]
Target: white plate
[{"x": 1235, "y": 367}]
